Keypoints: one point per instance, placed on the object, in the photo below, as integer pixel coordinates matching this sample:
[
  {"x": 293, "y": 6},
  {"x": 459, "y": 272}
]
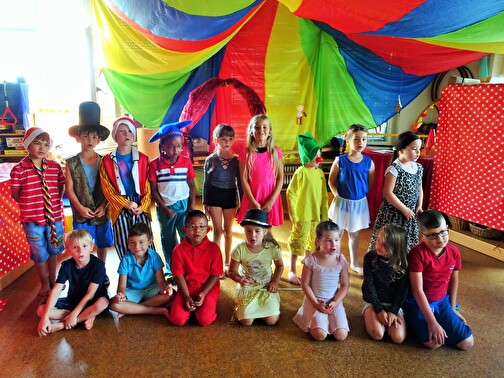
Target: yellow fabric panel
[{"x": 288, "y": 81}]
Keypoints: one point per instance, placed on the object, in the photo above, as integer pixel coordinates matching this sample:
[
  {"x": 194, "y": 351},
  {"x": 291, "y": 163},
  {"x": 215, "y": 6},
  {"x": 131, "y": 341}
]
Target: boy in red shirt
[
  {"x": 196, "y": 267},
  {"x": 37, "y": 185},
  {"x": 431, "y": 311}
]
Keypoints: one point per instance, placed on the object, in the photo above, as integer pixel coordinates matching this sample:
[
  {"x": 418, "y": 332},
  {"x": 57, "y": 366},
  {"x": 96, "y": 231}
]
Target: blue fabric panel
[
  {"x": 436, "y": 17},
  {"x": 165, "y": 21},
  {"x": 198, "y": 76},
  {"x": 378, "y": 82}
]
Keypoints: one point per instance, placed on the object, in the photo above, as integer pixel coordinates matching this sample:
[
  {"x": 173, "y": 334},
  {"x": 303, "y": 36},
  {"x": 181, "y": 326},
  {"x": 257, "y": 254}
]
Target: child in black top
[{"x": 385, "y": 285}]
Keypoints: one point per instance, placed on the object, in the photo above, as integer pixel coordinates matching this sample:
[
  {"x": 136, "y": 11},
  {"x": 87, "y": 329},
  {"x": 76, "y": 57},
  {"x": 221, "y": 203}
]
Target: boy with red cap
[
  {"x": 37, "y": 185},
  {"x": 307, "y": 200},
  {"x": 124, "y": 180}
]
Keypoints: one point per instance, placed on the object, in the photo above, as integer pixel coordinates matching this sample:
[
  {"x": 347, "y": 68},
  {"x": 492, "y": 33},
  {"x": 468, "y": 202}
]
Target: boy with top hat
[
  {"x": 307, "y": 201},
  {"x": 37, "y": 185},
  {"x": 83, "y": 187},
  {"x": 171, "y": 176},
  {"x": 124, "y": 178}
]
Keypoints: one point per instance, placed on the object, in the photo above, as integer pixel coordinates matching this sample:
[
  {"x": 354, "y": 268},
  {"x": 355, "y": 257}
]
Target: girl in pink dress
[{"x": 261, "y": 172}]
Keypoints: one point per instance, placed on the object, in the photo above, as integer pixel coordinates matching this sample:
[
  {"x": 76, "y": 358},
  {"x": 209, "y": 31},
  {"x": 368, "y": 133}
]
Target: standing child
[
  {"x": 87, "y": 294},
  {"x": 124, "y": 180},
  {"x": 307, "y": 200},
  {"x": 142, "y": 288},
  {"x": 431, "y": 309},
  {"x": 402, "y": 189},
  {"x": 37, "y": 184},
  {"x": 171, "y": 176},
  {"x": 261, "y": 172},
  {"x": 351, "y": 176},
  {"x": 83, "y": 188},
  {"x": 325, "y": 282},
  {"x": 258, "y": 286},
  {"x": 385, "y": 284},
  {"x": 196, "y": 266},
  {"x": 220, "y": 187}
]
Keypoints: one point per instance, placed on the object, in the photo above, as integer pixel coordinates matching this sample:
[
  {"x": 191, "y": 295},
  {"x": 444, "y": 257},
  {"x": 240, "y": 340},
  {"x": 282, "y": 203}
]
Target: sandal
[{"x": 293, "y": 278}]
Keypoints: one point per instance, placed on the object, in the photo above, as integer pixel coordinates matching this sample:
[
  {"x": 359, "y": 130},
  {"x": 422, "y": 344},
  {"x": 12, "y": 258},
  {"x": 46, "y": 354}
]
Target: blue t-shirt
[
  {"x": 79, "y": 279},
  {"x": 138, "y": 276},
  {"x": 352, "y": 182},
  {"x": 125, "y": 163}
]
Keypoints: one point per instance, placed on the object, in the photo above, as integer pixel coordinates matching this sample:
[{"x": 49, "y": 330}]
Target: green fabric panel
[
  {"x": 146, "y": 96},
  {"x": 214, "y": 8},
  {"x": 339, "y": 103}
]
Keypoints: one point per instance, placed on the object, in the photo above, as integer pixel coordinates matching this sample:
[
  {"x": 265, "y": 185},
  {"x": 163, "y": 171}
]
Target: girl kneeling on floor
[
  {"x": 258, "y": 288},
  {"x": 325, "y": 282}
]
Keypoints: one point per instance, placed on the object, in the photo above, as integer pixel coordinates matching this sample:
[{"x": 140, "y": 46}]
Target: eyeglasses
[
  {"x": 434, "y": 235},
  {"x": 194, "y": 227}
]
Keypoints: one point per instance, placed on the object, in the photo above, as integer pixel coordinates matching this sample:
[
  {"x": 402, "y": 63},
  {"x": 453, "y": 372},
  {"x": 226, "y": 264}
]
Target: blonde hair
[
  {"x": 270, "y": 144},
  {"x": 78, "y": 235}
]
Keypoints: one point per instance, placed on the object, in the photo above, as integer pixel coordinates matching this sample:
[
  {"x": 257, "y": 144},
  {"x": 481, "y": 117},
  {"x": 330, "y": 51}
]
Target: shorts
[
  {"x": 39, "y": 240},
  {"x": 102, "y": 234},
  {"x": 219, "y": 197},
  {"x": 140, "y": 295},
  {"x": 65, "y": 304},
  {"x": 454, "y": 327}
]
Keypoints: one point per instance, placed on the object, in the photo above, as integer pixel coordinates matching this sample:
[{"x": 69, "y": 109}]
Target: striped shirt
[
  {"x": 24, "y": 177},
  {"x": 171, "y": 178}
]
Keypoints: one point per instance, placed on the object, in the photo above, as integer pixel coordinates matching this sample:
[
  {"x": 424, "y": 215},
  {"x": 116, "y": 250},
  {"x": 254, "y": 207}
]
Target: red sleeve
[
  {"x": 177, "y": 264},
  {"x": 190, "y": 170},
  {"x": 216, "y": 268},
  {"x": 415, "y": 261},
  {"x": 152, "y": 170}
]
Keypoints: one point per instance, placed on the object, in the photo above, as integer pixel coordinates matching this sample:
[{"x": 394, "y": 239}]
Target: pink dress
[{"x": 262, "y": 182}]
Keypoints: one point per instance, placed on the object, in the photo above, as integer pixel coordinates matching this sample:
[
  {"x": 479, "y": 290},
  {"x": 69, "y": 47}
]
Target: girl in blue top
[{"x": 350, "y": 178}]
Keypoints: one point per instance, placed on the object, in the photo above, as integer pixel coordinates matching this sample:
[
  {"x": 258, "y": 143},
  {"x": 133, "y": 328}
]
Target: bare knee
[
  {"x": 376, "y": 333},
  {"x": 340, "y": 334},
  {"x": 246, "y": 322},
  {"x": 271, "y": 320},
  {"x": 466, "y": 344},
  {"x": 40, "y": 310},
  {"x": 101, "y": 304},
  {"x": 318, "y": 334}
]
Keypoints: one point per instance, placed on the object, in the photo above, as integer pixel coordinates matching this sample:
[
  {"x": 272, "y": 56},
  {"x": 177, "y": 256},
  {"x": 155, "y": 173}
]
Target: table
[
  {"x": 381, "y": 160},
  {"x": 14, "y": 249}
]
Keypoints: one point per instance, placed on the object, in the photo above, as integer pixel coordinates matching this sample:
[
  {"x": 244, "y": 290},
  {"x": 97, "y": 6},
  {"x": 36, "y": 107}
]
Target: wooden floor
[{"x": 147, "y": 346}]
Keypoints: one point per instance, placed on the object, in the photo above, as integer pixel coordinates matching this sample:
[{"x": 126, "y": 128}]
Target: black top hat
[
  {"x": 89, "y": 120},
  {"x": 256, "y": 217}
]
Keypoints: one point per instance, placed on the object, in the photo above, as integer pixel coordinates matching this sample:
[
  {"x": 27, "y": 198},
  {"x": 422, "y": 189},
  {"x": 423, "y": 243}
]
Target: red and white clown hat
[
  {"x": 32, "y": 133},
  {"x": 123, "y": 121}
]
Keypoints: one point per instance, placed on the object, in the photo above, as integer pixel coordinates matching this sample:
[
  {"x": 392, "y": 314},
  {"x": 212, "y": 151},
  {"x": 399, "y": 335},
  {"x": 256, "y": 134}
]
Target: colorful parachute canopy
[{"x": 345, "y": 62}]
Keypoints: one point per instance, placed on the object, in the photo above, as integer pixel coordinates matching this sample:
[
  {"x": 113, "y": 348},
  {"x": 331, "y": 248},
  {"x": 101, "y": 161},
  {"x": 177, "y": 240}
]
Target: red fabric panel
[
  {"x": 382, "y": 161},
  {"x": 428, "y": 59},
  {"x": 356, "y": 16},
  {"x": 468, "y": 173},
  {"x": 14, "y": 249},
  {"x": 244, "y": 60}
]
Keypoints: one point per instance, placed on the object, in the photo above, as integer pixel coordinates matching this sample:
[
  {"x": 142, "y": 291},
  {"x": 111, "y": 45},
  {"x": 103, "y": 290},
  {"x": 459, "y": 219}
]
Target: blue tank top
[{"x": 352, "y": 182}]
